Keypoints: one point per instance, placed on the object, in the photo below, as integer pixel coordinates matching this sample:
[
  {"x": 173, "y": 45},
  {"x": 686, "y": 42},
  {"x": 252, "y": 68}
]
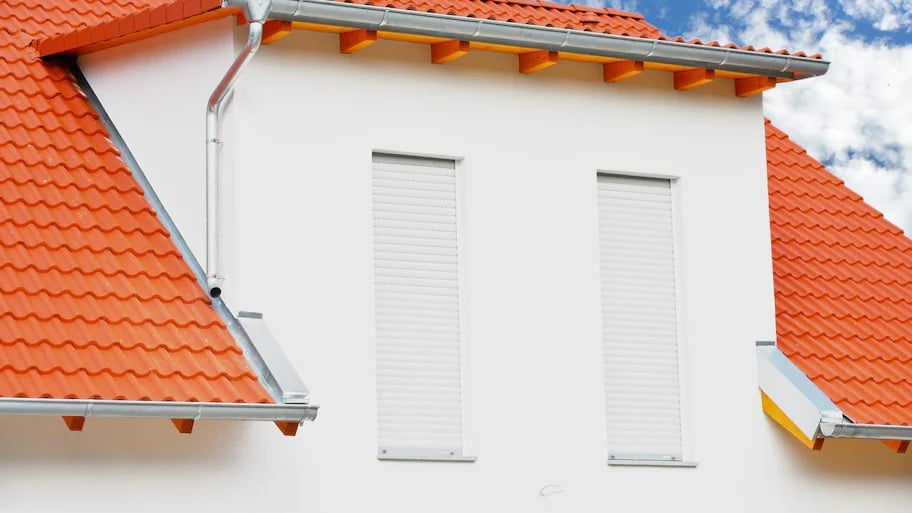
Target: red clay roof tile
[
  {"x": 95, "y": 299},
  {"x": 843, "y": 282},
  {"x": 102, "y": 20}
]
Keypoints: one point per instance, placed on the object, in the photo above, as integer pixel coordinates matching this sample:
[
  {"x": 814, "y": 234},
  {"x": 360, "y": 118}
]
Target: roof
[
  {"x": 81, "y": 25},
  {"x": 96, "y": 301},
  {"x": 843, "y": 282}
]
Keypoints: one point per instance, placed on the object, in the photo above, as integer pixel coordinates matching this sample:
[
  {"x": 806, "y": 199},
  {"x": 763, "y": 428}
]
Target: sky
[{"x": 856, "y": 119}]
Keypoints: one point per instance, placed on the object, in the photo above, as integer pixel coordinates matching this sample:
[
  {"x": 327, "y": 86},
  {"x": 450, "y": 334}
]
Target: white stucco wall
[{"x": 300, "y": 133}]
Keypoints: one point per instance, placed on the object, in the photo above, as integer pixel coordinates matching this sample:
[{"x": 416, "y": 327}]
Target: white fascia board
[{"x": 792, "y": 391}]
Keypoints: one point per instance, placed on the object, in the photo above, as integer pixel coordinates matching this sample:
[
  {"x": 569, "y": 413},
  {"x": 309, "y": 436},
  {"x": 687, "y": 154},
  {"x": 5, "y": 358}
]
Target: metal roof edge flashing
[
  {"x": 256, "y": 361},
  {"x": 291, "y": 388},
  {"x": 158, "y": 409},
  {"x": 462, "y": 28},
  {"x": 791, "y": 390}
]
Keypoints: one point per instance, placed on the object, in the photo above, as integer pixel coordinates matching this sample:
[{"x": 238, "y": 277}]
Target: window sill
[
  {"x": 651, "y": 463},
  {"x": 419, "y": 455}
]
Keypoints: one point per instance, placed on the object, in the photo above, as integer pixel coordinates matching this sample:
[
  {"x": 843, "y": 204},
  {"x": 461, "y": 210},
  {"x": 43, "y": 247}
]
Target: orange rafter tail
[
  {"x": 689, "y": 79},
  {"x": 753, "y": 85},
  {"x": 287, "y": 428},
  {"x": 621, "y": 70},
  {"x": 351, "y": 42},
  {"x": 273, "y": 30},
  {"x": 74, "y": 423},
  {"x": 897, "y": 446},
  {"x": 536, "y": 61},
  {"x": 184, "y": 426},
  {"x": 446, "y": 51}
]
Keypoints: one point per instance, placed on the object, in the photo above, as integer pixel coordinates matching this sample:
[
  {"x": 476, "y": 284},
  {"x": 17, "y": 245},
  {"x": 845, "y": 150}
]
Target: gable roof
[
  {"x": 96, "y": 300},
  {"x": 98, "y": 303},
  {"x": 843, "y": 281}
]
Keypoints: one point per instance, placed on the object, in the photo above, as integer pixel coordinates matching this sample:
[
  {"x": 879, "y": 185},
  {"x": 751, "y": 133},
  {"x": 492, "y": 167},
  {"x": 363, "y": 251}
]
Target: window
[
  {"x": 416, "y": 287},
  {"x": 639, "y": 319}
]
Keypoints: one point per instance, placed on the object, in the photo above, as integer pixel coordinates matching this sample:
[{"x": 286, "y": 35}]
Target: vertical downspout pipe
[{"x": 214, "y": 277}]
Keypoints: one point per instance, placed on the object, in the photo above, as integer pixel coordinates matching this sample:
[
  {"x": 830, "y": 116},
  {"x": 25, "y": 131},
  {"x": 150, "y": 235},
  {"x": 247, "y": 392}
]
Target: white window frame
[
  {"x": 459, "y": 454},
  {"x": 687, "y": 459}
]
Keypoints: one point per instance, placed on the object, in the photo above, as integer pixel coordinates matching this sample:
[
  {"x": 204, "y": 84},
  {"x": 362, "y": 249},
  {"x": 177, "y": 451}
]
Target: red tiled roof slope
[
  {"x": 843, "y": 280},
  {"x": 66, "y": 25},
  {"x": 95, "y": 299}
]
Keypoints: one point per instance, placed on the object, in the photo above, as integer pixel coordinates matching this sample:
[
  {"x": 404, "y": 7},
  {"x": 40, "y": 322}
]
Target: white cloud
[
  {"x": 857, "y": 118},
  {"x": 885, "y": 15}
]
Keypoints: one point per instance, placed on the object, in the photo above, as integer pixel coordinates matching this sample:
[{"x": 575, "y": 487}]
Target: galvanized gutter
[
  {"x": 461, "y": 28},
  {"x": 292, "y": 398},
  {"x": 865, "y": 431},
  {"x": 158, "y": 409}
]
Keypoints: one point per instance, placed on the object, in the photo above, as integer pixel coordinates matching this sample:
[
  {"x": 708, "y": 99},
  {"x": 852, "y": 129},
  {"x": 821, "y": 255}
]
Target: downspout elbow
[{"x": 214, "y": 276}]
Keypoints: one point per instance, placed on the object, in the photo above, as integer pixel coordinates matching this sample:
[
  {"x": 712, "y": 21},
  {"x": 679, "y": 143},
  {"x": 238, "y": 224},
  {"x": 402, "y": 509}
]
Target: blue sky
[
  {"x": 888, "y": 23},
  {"x": 857, "y": 118}
]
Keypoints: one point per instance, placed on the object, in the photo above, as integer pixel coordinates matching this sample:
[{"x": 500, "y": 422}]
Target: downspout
[{"x": 256, "y": 12}]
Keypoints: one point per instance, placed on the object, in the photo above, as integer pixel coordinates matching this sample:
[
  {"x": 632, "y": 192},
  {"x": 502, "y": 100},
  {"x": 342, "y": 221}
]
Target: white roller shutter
[
  {"x": 639, "y": 318},
  {"x": 416, "y": 277}
]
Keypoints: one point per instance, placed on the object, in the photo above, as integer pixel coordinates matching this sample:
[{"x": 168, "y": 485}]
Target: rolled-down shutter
[
  {"x": 639, "y": 318},
  {"x": 416, "y": 278}
]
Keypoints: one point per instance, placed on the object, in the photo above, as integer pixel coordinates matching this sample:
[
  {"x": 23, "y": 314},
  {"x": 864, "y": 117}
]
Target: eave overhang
[
  {"x": 535, "y": 37},
  {"x": 791, "y": 399}
]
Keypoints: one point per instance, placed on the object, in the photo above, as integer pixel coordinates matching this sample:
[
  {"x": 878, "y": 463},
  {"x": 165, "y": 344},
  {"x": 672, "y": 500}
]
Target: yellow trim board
[{"x": 776, "y": 413}]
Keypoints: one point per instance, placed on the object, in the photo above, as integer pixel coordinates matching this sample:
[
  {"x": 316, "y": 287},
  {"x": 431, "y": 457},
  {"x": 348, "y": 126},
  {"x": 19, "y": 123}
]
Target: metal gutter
[
  {"x": 256, "y": 361},
  {"x": 461, "y": 28},
  {"x": 158, "y": 409},
  {"x": 865, "y": 431}
]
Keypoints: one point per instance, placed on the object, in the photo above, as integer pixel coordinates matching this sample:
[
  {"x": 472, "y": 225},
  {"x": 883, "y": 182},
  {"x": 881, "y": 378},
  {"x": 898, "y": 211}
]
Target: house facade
[{"x": 525, "y": 280}]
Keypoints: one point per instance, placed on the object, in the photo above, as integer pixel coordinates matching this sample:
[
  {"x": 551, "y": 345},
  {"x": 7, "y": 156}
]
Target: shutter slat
[
  {"x": 639, "y": 318},
  {"x": 416, "y": 283}
]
